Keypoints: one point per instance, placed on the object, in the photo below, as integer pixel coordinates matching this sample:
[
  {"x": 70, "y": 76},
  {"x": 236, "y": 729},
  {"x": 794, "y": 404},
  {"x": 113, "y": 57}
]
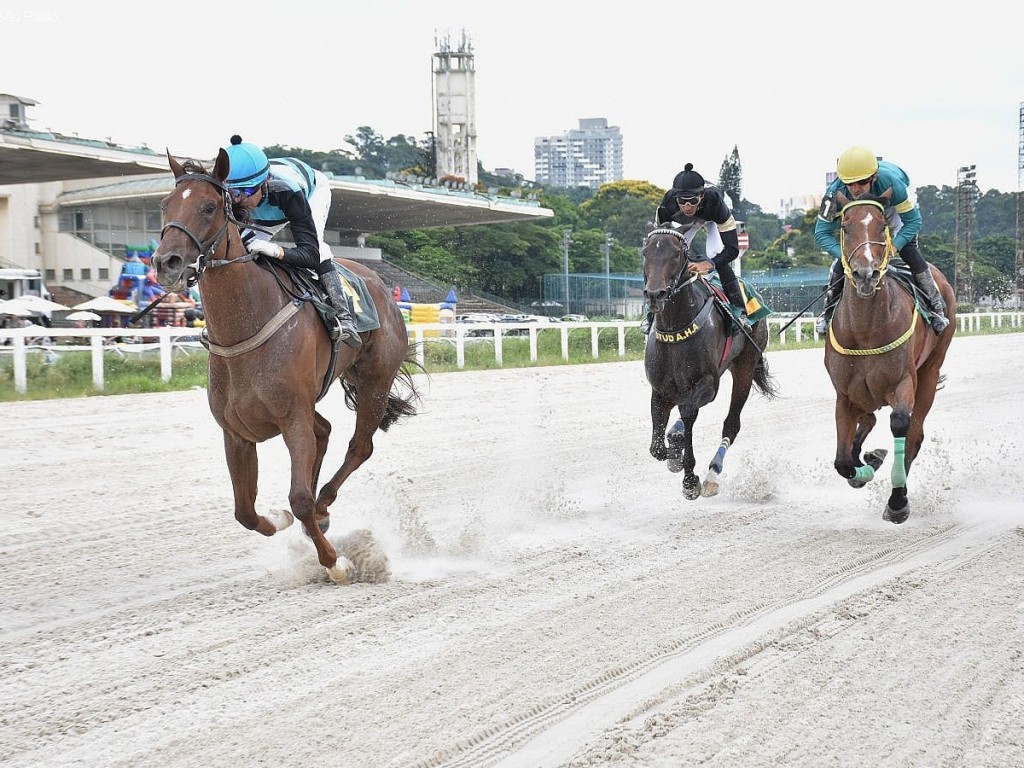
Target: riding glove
[{"x": 265, "y": 248}]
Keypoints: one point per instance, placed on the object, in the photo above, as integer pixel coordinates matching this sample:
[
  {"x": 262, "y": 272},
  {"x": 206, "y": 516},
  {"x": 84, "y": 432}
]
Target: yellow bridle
[{"x": 890, "y": 250}]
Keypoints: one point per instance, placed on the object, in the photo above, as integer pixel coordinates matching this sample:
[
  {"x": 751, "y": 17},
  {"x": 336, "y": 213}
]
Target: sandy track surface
[{"x": 553, "y": 599}]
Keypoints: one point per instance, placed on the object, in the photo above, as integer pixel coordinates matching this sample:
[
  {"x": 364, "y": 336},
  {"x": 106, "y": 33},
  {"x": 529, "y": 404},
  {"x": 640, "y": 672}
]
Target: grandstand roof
[{"x": 358, "y": 205}]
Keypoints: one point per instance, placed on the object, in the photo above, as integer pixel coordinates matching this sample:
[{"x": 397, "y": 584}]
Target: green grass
[{"x": 69, "y": 374}]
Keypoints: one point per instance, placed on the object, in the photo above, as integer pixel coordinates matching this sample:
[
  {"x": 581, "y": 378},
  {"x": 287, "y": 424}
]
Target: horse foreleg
[
  {"x": 897, "y": 510},
  {"x": 691, "y": 483},
  {"x": 851, "y": 425},
  {"x": 660, "y": 410},
  {"x": 243, "y": 467},
  {"x": 302, "y": 447}
]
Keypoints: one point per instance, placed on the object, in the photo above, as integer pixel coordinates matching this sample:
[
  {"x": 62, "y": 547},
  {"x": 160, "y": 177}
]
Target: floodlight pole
[
  {"x": 566, "y": 239},
  {"x": 607, "y": 272}
]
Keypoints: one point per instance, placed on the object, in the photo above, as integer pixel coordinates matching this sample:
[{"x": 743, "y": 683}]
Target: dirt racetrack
[{"x": 553, "y": 599}]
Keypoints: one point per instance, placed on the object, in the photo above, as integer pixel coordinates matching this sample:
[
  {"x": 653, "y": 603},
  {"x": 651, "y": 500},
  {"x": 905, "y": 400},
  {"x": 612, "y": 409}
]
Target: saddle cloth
[{"x": 755, "y": 309}]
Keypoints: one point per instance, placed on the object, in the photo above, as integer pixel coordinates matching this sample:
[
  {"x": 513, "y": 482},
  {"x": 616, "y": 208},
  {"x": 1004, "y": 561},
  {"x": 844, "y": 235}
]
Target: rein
[{"x": 890, "y": 250}]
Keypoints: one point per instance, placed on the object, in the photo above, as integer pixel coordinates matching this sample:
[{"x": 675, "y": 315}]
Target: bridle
[
  {"x": 886, "y": 243},
  {"x": 681, "y": 279},
  {"x": 209, "y": 246}
]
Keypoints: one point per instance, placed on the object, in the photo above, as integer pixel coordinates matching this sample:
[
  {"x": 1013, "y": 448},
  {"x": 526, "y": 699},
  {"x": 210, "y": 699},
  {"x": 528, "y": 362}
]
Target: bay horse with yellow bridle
[
  {"x": 881, "y": 352},
  {"x": 272, "y": 359}
]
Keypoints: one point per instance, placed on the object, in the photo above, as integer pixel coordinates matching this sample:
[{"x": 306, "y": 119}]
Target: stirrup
[
  {"x": 939, "y": 322},
  {"x": 821, "y": 325},
  {"x": 346, "y": 333}
]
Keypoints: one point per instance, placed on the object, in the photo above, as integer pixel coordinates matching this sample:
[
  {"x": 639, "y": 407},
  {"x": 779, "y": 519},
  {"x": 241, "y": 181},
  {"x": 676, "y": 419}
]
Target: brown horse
[
  {"x": 271, "y": 354},
  {"x": 880, "y": 352},
  {"x": 689, "y": 349}
]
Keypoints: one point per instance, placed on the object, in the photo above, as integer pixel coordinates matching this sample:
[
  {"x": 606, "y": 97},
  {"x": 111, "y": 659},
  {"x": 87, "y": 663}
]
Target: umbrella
[
  {"x": 83, "y": 314},
  {"x": 38, "y": 304},
  {"x": 103, "y": 304},
  {"x": 13, "y": 309}
]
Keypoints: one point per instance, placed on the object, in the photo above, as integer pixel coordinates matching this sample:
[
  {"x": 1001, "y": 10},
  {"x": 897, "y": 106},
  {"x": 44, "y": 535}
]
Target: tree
[
  {"x": 369, "y": 148},
  {"x": 730, "y": 181},
  {"x": 623, "y": 209}
]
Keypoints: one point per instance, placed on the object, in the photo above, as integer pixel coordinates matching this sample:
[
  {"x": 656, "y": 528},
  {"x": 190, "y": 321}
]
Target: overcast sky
[{"x": 790, "y": 83}]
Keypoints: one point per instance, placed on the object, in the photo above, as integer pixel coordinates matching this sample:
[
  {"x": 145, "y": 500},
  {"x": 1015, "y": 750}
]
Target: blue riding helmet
[{"x": 249, "y": 164}]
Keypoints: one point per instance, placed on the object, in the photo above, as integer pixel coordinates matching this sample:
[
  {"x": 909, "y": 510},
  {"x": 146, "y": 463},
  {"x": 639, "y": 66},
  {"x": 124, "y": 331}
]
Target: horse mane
[{"x": 194, "y": 166}]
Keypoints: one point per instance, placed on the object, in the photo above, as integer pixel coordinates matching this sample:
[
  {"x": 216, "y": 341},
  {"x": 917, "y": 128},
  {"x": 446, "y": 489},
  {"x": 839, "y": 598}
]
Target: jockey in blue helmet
[{"x": 287, "y": 192}]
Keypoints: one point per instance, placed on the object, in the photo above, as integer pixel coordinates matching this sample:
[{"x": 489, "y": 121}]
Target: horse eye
[{"x": 208, "y": 208}]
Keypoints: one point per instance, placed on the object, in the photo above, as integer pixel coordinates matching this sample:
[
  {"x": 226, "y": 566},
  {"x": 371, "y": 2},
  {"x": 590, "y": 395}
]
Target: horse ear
[
  {"x": 176, "y": 168},
  {"x": 223, "y": 165},
  {"x": 887, "y": 195},
  {"x": 842, "y": 200}
]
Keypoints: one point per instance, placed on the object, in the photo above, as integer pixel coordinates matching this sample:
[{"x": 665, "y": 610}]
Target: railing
[{"x": 21, "y": 342}]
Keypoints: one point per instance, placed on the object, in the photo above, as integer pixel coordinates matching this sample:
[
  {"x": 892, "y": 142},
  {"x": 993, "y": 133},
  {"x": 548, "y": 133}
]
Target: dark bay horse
[
  {"x": 689, "y": 349},
  {"x": 881, "y": 352},
  {"x": 270, "y": 355}
]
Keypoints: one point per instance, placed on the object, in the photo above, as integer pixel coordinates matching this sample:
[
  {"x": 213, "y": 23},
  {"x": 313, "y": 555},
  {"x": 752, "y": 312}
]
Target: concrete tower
[{"x": 455, "y": 108}]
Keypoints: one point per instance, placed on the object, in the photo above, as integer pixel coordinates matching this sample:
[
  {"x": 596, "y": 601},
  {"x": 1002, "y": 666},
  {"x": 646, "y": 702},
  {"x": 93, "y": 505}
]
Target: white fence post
[
  {"x": 20, "y": 376},
  {"x": 97, "y": 362},
  {"x": 165, "y": 357}
]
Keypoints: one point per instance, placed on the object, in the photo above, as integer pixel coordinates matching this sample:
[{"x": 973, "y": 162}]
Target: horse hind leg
[
  {"x": 303, "y": 445},
  {"x": 243, "y": 468},
  {"x": 741, "y": 383},
  {"x": 711, "y": 484},
  {"x": 371, "y": 409},
  {"x": 322, "y": 431}
]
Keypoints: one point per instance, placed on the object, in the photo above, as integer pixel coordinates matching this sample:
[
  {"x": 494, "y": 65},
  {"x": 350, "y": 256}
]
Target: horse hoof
[
  {"x": 343, "y": 571},
  {"x": 281, "y": 518},
  {"x": 857, "y": 483},
  {"x": 710, "y": 488},
  {"x": 875, "y": 458},
  {"x": 896, "y": 516},
  {"x": 675, "y": 464},
  {"x": 691, "y": 490}
]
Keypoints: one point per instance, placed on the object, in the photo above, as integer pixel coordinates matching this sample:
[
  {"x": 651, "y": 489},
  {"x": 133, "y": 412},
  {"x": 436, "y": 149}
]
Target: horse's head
[
  {"x": 197, "y": 214},
  {"x": 866, "y": 242},
  {"x": 665, "y": 254}
]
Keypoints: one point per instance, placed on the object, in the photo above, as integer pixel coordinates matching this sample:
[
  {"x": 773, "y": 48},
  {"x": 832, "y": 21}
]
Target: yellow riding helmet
[{"x": 856, "y": 164}]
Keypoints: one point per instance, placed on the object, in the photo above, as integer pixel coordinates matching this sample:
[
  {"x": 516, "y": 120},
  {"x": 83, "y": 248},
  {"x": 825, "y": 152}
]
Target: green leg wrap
[
  {"x": 899, "y": 471},
  {"x": 865, "y": 473}
]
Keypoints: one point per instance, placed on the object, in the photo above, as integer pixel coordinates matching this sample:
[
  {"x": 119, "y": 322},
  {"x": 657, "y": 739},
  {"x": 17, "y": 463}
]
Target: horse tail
[
  {"x": 763, "y": 380},
  {"x": 404, "y": 394}
]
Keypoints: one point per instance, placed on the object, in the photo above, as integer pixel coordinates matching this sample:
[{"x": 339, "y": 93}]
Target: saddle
[{"x": 364, "y": 311}]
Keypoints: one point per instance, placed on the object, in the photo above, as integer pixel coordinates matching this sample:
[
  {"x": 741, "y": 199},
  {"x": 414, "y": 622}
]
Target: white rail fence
[{"x": 18, "y": 343}]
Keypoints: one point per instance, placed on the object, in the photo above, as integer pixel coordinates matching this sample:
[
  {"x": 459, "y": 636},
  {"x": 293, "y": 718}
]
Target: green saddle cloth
[
  {"x": 362, "y": 303},
  {"x": 756, "y": 308}
]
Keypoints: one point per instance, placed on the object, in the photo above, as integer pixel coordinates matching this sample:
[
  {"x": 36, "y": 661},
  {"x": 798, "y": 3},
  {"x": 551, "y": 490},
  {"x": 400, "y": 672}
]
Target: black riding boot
[
  {"x": 646, "y": 323},
  {"x": 926, "y": 283},
  {"x": 835, "y": 290},
  {"x": 331, "y": 281},
  {"x": 735, "y": 294}
]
